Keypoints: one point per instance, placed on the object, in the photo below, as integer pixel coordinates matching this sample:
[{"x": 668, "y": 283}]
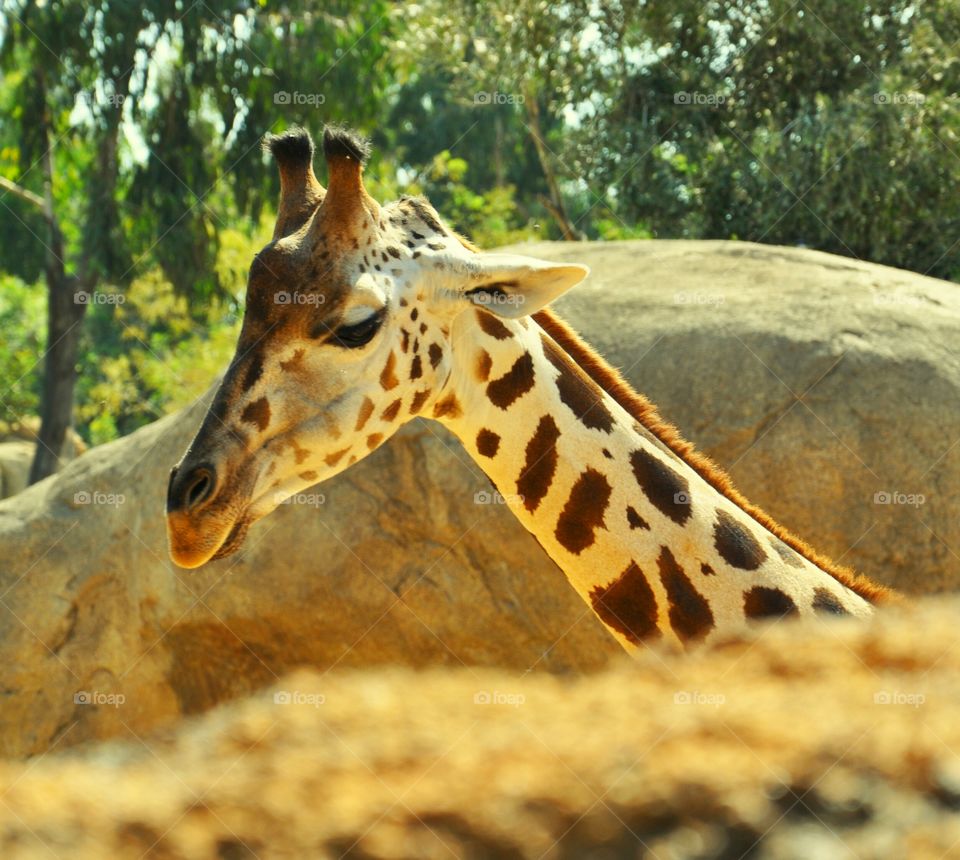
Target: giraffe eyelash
[{"x": 359, "y": 334}]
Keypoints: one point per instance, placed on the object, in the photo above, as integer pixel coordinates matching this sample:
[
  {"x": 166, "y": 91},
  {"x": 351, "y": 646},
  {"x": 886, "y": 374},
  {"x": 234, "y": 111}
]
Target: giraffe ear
[{"x": 512, "y": 286}]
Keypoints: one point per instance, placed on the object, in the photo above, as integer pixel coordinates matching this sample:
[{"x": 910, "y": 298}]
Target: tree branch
[{"x": 29, "y": 196}]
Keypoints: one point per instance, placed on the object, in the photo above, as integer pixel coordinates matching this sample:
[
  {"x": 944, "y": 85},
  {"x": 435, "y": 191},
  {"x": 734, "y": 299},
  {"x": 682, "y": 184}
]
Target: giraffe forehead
[{"x": 290, "y": 285}]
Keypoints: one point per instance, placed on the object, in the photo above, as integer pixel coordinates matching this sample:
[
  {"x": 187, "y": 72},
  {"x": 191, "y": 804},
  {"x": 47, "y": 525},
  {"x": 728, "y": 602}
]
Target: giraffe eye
[{"x": 359, "y": 334}]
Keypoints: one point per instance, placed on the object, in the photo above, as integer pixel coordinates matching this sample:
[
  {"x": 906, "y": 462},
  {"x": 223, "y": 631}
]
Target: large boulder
[
  {"x": 818, "y": 739},
  {"x": 18, "y": 443},
  {"x": 15, "y": 460},
  {"x": 820, "y": 382}
]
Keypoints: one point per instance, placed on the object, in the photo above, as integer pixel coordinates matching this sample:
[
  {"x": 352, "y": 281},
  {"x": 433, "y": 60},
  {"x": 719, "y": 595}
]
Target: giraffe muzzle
[{"x": 207, "y": 517}]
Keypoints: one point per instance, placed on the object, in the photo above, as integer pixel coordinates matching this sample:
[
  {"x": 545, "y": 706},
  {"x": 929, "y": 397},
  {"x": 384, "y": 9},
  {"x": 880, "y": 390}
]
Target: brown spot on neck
[
  {"x": 416, "y": 368},
  {"x": 516, "y": 382},
  {"x": 828, "y": 603},
  {"x": 366, "y": 410},
  {"x": 335, "y": 457},
  {"x": 628, "y": 605},
  {"x": 690, "y": 614},
  {"x": 484, "y": 363},
  {"x": 635, "y": 520},
  {"x": 257, "y": 413},
  {"x": 488, "y": 443},
  {"x": 391, "y": 411},
  {"x": 790, "y": 556},
  {"x": 447, "y": 407},
  {"x": 299, "y": 454},
  {"x": 492, "y": 326},
  {"x": 435, "y": 352},
  {"x": 761, "y": 602},
  {"x": 418, "y": 400},
  {"x": 578, "y": 392},
  {"x": 668, "y": 491},
  {"x": 583, "y": 513},
  {"x": 736, "y": 545},
  {"x": 540, "y": 464},
  {"x": 374, "y": 439}
]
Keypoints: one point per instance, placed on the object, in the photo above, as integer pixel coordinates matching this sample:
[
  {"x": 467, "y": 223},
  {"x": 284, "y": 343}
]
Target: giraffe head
[{"x": 345, "y": 337}]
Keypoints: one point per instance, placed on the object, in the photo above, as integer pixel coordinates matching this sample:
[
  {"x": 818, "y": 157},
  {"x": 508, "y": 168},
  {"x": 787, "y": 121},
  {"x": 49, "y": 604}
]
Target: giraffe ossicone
[{"x": 360, "y": 317}]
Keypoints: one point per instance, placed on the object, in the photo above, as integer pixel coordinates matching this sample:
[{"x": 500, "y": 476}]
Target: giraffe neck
[{"x": 656, "y": 551}]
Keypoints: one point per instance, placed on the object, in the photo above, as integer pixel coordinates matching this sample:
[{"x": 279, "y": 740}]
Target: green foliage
[
  {"x": 22, "y": 335},
  {"x": 152, "y": 353},
  {"x": 823, "y": 123},
  {"x": 490, "y": 218}
]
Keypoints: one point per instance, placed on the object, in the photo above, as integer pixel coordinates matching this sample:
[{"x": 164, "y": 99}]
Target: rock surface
[
  {"x": 818, "y": 381},
  {"x": 17, "y": 445},
  {"x": 827, "y": 740},
  {"x": 15, "y": 460}
]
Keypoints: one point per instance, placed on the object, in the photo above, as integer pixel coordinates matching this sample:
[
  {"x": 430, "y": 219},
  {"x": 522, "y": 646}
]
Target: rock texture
[
  {"x": 17, "y": 444},
  {"x": 15, "y": 460},
  {"x": 819, "y": 381},
  {"x": 831, "y": 740}
]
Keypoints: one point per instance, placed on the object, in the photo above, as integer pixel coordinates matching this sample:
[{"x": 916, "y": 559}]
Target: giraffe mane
[{"x": 642, "y": 410}]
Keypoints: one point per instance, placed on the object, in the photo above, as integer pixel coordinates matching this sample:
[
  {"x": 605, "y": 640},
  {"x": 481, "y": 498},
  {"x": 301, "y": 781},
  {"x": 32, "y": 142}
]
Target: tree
[{"x": 519, "y": 54}]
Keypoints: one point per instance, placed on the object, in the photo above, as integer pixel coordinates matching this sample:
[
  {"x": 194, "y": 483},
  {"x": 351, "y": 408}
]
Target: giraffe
[{"x": 360, "y": 317}]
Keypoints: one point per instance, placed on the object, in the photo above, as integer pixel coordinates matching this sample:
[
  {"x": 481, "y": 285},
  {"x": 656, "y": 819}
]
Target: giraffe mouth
[
  {"x": 254, "y": 511},
  {"x": 213, "y": 533},
  {"x": 235, "y": 538}
]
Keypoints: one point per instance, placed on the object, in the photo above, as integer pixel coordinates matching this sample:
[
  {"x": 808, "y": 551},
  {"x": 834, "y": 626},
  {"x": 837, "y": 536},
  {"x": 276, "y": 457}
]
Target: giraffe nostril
[{"x": 199, "y": 489}]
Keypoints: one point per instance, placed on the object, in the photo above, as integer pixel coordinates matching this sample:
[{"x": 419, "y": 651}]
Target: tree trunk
[
  {"x": 556, "y": 207},
  {"x": 66, "y": 302},
  {"x": 64, "y": 314},
  {"x": 499, "y": 171}
]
